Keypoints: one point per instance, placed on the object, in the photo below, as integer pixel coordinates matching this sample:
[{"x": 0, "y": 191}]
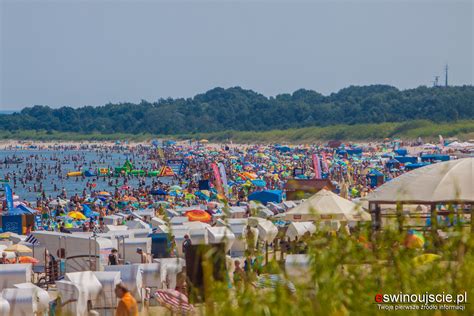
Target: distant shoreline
[{"x": 410, "y": 130}]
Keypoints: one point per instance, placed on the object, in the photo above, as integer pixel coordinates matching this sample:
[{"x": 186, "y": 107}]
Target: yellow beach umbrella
[
  {"x": 5, "y": 235},
  {"x": 76, "y": 215},
  {"x": 18, "y": 248},
  {"x": 425, "y": 258}
]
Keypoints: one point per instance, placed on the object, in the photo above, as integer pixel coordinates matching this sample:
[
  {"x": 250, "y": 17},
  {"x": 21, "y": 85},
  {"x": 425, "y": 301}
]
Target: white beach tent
[
  {"x": 11, "y": 274},
  {"x": 130, "y": 247},
  {"x": 179, "y": 220},
  {"x": 221, "y": 234},
  {"x": 239, "y": 227},
  {"x": 156, "y": 222},
  {"x": 114, "y": 228},
  {"x": 237, "y": 211},
  {"x": 88, "y": 280},
  {"x": 80, "y": 249},
  {"x": 21, "y": 301},
  {"x": 267, "y": 231},
  {"x": 73, "y": 296},
  {"x": 107, "y": 297},
  {"x": 299, "y": 229},
  {"x": 141, "y": 232},
  {"x": 40, "y": 296},
  {"x": 441, "y": 182},
  {"x": 326, "y": 205},
  {"x": 164, "y": 229},
  {"x": 151, "y": 275},
  {"x": 4, "y": 307},
  {"x": 172, "y": 213},
  {"x": 131, "y": 277},
  {"x": 169, "y": 268},
  {"x": 137, "y": 224},
  {"x": 197, "y": 232},
  {"x": 112, "y": 220}
]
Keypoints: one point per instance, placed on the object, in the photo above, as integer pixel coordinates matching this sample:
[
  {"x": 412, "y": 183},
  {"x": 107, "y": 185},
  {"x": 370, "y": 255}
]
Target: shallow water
[{"x": 90, "y": 159}]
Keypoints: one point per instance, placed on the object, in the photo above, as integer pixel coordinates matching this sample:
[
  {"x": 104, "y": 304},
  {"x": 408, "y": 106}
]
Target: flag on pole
[
  {"x": 9, "y": 196},
  {"x": 317, "y": 167},
  {"x": 223, "y": 178},
  {"x": 441, "y": 141},
  {"x": 217, "y": 177}
]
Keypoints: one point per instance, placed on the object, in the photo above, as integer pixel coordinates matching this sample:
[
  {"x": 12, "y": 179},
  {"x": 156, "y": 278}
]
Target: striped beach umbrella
[
  {"x": 273, "y": 281},
  {"x": 173, "y": 300}
]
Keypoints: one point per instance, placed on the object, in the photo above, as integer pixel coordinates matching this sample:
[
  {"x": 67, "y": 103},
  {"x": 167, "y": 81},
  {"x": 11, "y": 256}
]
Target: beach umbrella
[
  {"x": 104, "y": 193},
  {"x": 5, "y": 235},
  {"x": 129, "y": 199},
  {"x": 202, "y": 195},
  {"x": 174, "y": 300},
  {"x": 425, "y": 258},
  {"x": 204, "y": 141},
  {"x": 76, "y": 215},
  {"x": 198, "y": 216},
  {"x": 18, "y": 248},
  {"x": 189, "y": 196},
  {"x": 57, "y": 202},
  {"x": 259, "y": 183},
  {"x": 158, "y": 192},
  {"x": 414, "y": 239},
  {"x": 176, "y": 188},
  {"x": 27, "y": 259}
]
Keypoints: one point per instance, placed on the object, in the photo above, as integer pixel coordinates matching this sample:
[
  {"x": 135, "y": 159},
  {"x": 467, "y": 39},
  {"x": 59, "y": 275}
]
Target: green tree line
[{"x": 239, "y": 109}]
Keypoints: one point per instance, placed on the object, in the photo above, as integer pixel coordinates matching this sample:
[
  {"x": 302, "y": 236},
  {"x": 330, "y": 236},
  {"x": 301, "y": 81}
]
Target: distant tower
[
  {"x": 446, "y": 75},
  {"x": 435, "y": 81}
]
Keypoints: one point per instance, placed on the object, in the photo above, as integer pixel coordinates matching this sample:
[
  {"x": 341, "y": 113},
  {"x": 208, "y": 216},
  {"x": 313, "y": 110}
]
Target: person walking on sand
[{"x": 127, "y": 305}]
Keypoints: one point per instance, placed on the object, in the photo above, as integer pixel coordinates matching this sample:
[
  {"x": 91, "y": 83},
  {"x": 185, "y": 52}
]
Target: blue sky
[{"x": 79, "y": 53}]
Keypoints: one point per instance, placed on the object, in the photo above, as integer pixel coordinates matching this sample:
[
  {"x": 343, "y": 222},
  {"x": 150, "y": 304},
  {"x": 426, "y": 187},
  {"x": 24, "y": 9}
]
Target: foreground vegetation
[
  {"x": 345, "y": 274},
  {"x": 361, "y": 132},
  {"x": 238, "y": 109}
]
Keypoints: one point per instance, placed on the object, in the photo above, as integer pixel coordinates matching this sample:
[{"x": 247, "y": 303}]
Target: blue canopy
[
  {"x": 375, "y": 172},
  {"x": 158, "y": 192},
  {"x": 415, "y": 165},
  {"x": 259, "y": 183},
  {"x": 406, "y": 159},
  {"x": 392, "y": 163},
  {"x": 202, "y": 196},
  {"x": 401, "y": 151},
  {"x": 267, "y": 196},
  {"x": 283, "y": 149},
  {"x": 354, "y": 151},
  {"x": 88, "y": 212},
  {"x": 435, "y": 157},
  {"x": 20, "y": 210},
  {"x": 387, "y": 155}
]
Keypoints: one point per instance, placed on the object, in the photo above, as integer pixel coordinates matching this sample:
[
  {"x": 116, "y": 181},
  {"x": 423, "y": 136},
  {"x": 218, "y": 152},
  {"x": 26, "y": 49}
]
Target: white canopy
[
  {"x": 326, "y": 205},
  {"x": 441, "y": 182},
  {"x": 298, "y": 229}
]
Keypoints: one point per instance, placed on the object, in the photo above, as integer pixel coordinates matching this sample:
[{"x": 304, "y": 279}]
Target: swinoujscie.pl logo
[{"x": 425, "y": 301}]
